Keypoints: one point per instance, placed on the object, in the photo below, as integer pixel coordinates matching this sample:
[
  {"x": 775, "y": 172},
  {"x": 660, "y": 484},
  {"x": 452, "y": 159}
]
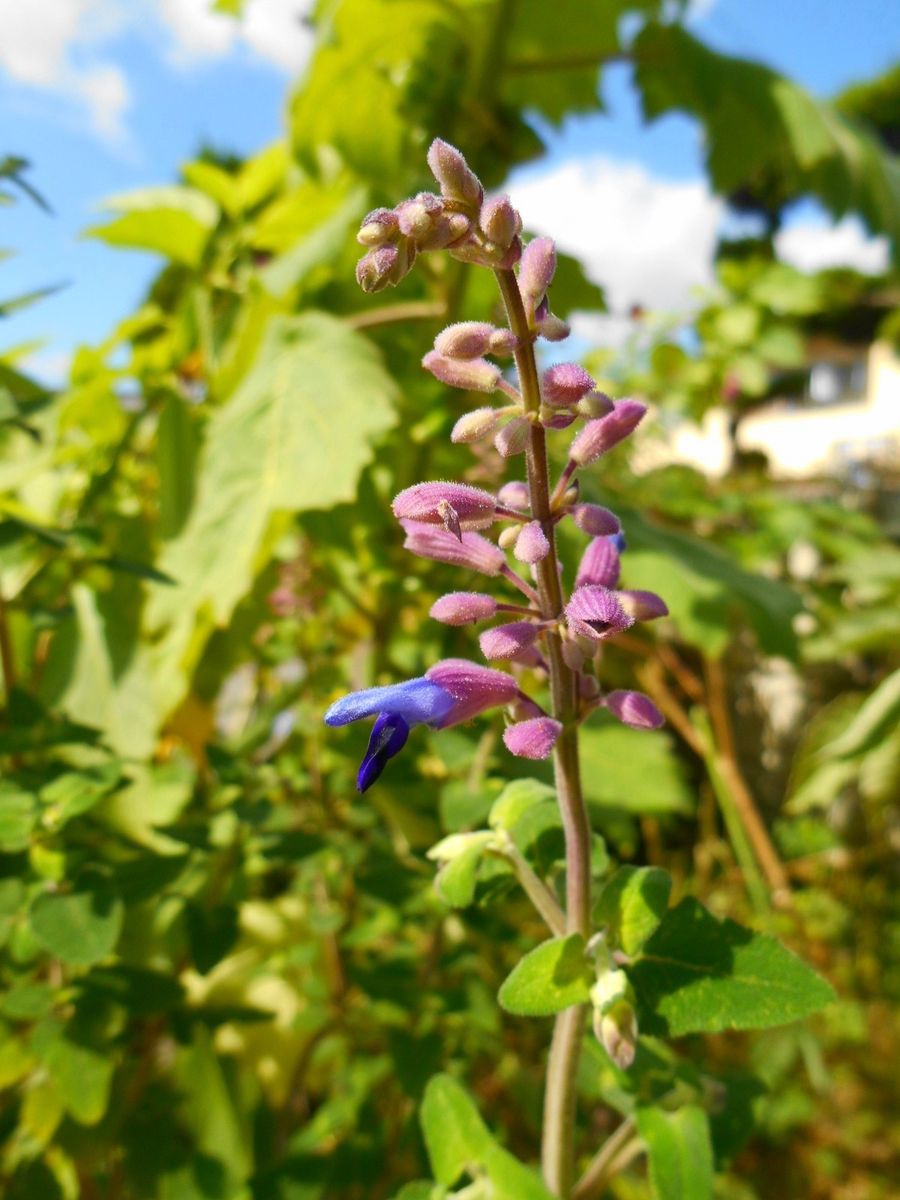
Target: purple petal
[
  {"x": 418, "y": 701},
  {"x": 474, "y": 688},
  {"x": 388, "y": 737}
]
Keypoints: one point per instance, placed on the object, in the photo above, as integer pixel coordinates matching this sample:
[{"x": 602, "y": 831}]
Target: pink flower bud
[
  {"x": 471, "y": 550},
  {"x": 466, "y": 339},
  {"x": 595, "y": 613},
  {"x": 454, "y": 175},
  {"x": 476, "y": 424},
  {"x": 475, "y": 375},
  {"x": 500, "y": 221},
  {"x": 643, "y": 606},
  {"x": 532, "y": 739},
  {"x": 380, "y": 226},
  {"x": 513, "y": 437},
  {"x": 463, "y": 608},
  {"x": 554, "y": 329},
  {"x": 601, "y": 435},
  {"x": 557, "y": 418},
  {"x": 565, "y": 383},
  {"x": 503, "y": 342},
  {"x": 508, "y": 641},
  {"x": 417, "y": 217},
  {"x": 595, "y": 404},
  {"x": 599, "y": 565},
  {"x": 537, "y": 269},
  {"x": 532, "y": 544},
  {"x": 374, "y": 270},
  {"x": 473, "y": 508},
  {"x": 474, "y": 688},
  {"x": 634, "y": 709},
  {"x": 595, "y": 520},
  {"x": 514, "y": 494}
]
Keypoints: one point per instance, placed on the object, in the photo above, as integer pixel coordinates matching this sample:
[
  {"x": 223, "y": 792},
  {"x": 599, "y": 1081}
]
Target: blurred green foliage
[{"x": 223, "y": 977}]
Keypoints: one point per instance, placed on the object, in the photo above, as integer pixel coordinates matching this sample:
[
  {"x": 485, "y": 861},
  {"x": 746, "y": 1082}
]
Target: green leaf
[
  {"x": 679, "y": 1152},
  {"x": 515, "y": 800},
  {"x": 879, "y": 714},
  {"x": 455, "y": 1135},
  {"x": 173, "y": 221},
  {"x": 458, "y": 877},
  {"x": 177, "y": 445},
  {"x": 295, "y": 435},
  {"x": 633, "y": 771},
  {"x": 83, "y": 1076},
  {"x": 18, "y": 813},
  {"x": 632, "y": 904},
  {"x": 553, "y": 976},
  {"x": 76, "y": 792},
  {"x": 80, "y": 927},
  {"x": 697, "y": 974}
]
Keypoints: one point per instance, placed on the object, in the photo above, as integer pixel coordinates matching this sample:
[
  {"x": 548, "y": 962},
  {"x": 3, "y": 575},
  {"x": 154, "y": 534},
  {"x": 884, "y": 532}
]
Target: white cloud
[
  {"x": 50, "y": 44},
  {"x": 646, "y": 240},
  {"x": 272, "y": 29},
  {"x": 812, "y": 246}
]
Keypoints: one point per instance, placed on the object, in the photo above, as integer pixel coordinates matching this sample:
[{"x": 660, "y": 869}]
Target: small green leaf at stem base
[{"x": 553, "y": 976}]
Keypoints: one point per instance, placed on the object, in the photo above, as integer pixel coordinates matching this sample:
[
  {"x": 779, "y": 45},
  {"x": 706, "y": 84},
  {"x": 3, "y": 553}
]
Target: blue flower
[{"x": 397, "y": 708}]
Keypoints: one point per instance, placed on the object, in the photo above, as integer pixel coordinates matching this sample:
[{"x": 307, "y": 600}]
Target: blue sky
[{"x": 108, "y": 95}]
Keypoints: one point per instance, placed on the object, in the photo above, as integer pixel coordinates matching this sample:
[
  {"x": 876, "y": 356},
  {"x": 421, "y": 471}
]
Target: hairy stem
[{"x": 559, "y": 1100}]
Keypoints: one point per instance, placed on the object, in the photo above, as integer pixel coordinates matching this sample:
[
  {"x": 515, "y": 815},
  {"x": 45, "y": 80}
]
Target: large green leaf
[
  {"x": 759, "y": 126},
  {"x": 632, "y": 770},
  {"x": 295, "y": 435},
  {"x": 698, "y": 974},
  {"x": 553, "y": 976},
  {"x": 80, "y": 927},
  {"x": 679, "y": 1152},
  {"x": 173, "y": 221},
  {"x": 632, "y": 904}
]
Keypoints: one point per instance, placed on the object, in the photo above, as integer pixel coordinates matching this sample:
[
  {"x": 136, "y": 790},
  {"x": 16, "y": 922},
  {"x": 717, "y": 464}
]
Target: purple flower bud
[
  {"x": 475, "y": 375},
  {"x": 634, "y": 709},
  {"x": 643, "y": 606},
  {"x": 532, "y": 739},
  {"x": 474, "y": 425},
  {"x": 601, "y": 435},
  {"x": 532, "y": 544},
  {"x": 471, "y": 550},
  {"x": 595, "y": 613},
  {"x": 565, "y": 383},
  {"x": 510, "y": 256},
  {"x": 460, "y": 227},
  {"x": 444, "y": 232},
  {"x": 500, "y": 221},
  {"x": 513, "y": 437},
  {"x": 473, "y": 688},
  {"x": 380, "y": 226},
  {"x": 557, "y": 418},
  {"x": 473, "y": 508},
  {"x": 508, "y": 641},
  {"x": 595, "y": 404},
  {"x": 503, "y": 342},
  {"x": 514, "y": 494},
  {"x": 599, "y": 565},
  {"x": 554, "y": 329},
  {"x": 595, "y": 520},
  {"x": 537, "y": 269},
  {"x": 418, "y": 216},
  {"x": 466, "y": 339},
  {"x": 463, "y": 608},
  {"x": 455, "y": 176},
  {"x": 373, "y": 271}
]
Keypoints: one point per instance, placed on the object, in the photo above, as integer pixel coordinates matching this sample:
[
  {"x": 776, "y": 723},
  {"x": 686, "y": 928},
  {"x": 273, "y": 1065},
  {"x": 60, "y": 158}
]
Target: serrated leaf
[
  {"x": 553, "y": 976},
  {"x": 679, "y": 1152},
  {"x": 698, "y": 974},
  {"x": 632, "y": 904},
  {"x": 80, "y": 927}
]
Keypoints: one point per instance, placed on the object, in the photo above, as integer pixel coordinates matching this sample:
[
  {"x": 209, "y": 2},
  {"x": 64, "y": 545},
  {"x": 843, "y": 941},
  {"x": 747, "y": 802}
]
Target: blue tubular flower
[{"x": 397, "y": 707}]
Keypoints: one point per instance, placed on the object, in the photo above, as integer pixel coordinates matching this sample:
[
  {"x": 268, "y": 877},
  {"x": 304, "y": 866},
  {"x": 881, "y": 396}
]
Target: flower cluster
[{"x": 450, "y": 522}]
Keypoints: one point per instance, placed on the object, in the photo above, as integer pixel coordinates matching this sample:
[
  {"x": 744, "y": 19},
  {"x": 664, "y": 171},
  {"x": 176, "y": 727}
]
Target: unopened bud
[
  {"x": 454, "y": 175},
  {"x": 601, "y": 435},
  {"x": 572, "y": 655},
  {"x": 588, "y": 687},
  {"x": 474, "y": 375},
  {"x": 463, "y": 608},
  {"x": 556, "y": 418},
  {"x": 503, "y": 342},
  {"x": 643, "y": 606},
  {"x": 634, "y": 709},
  {"x": 380, "y": 226},
  {"x": 514, "y": 494},
  {"x": 596, "y": 520},
  {"x": 476, "y": 424},
  {"x": 416, "y": 217},
  {"x": 531, "y": 545},
  {"x": 513, "y": 437},
  {"x": 508, "y": 537},
  {"x": 508, "y": 641},
  {"x": 599, "y": 564},
  {"x": 554, "y": 329},
  {"x": 500, "y": 221},
  {"x": 595, "y": 404},
  {"x": 533, "y": 739},
  {"x": 456, "y": 506},
  {"x": 617, "y": 1032},
  {"x": 537, "y": 268},
  {"x": 565, "y": 384},
  {"x": 465, "y": 339}
]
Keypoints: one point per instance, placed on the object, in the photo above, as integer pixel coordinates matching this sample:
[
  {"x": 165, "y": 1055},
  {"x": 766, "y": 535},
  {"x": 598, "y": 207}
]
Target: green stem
[
  {"x": 558, "y": 1153},
  {"x": 604, "y": 1163}
]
